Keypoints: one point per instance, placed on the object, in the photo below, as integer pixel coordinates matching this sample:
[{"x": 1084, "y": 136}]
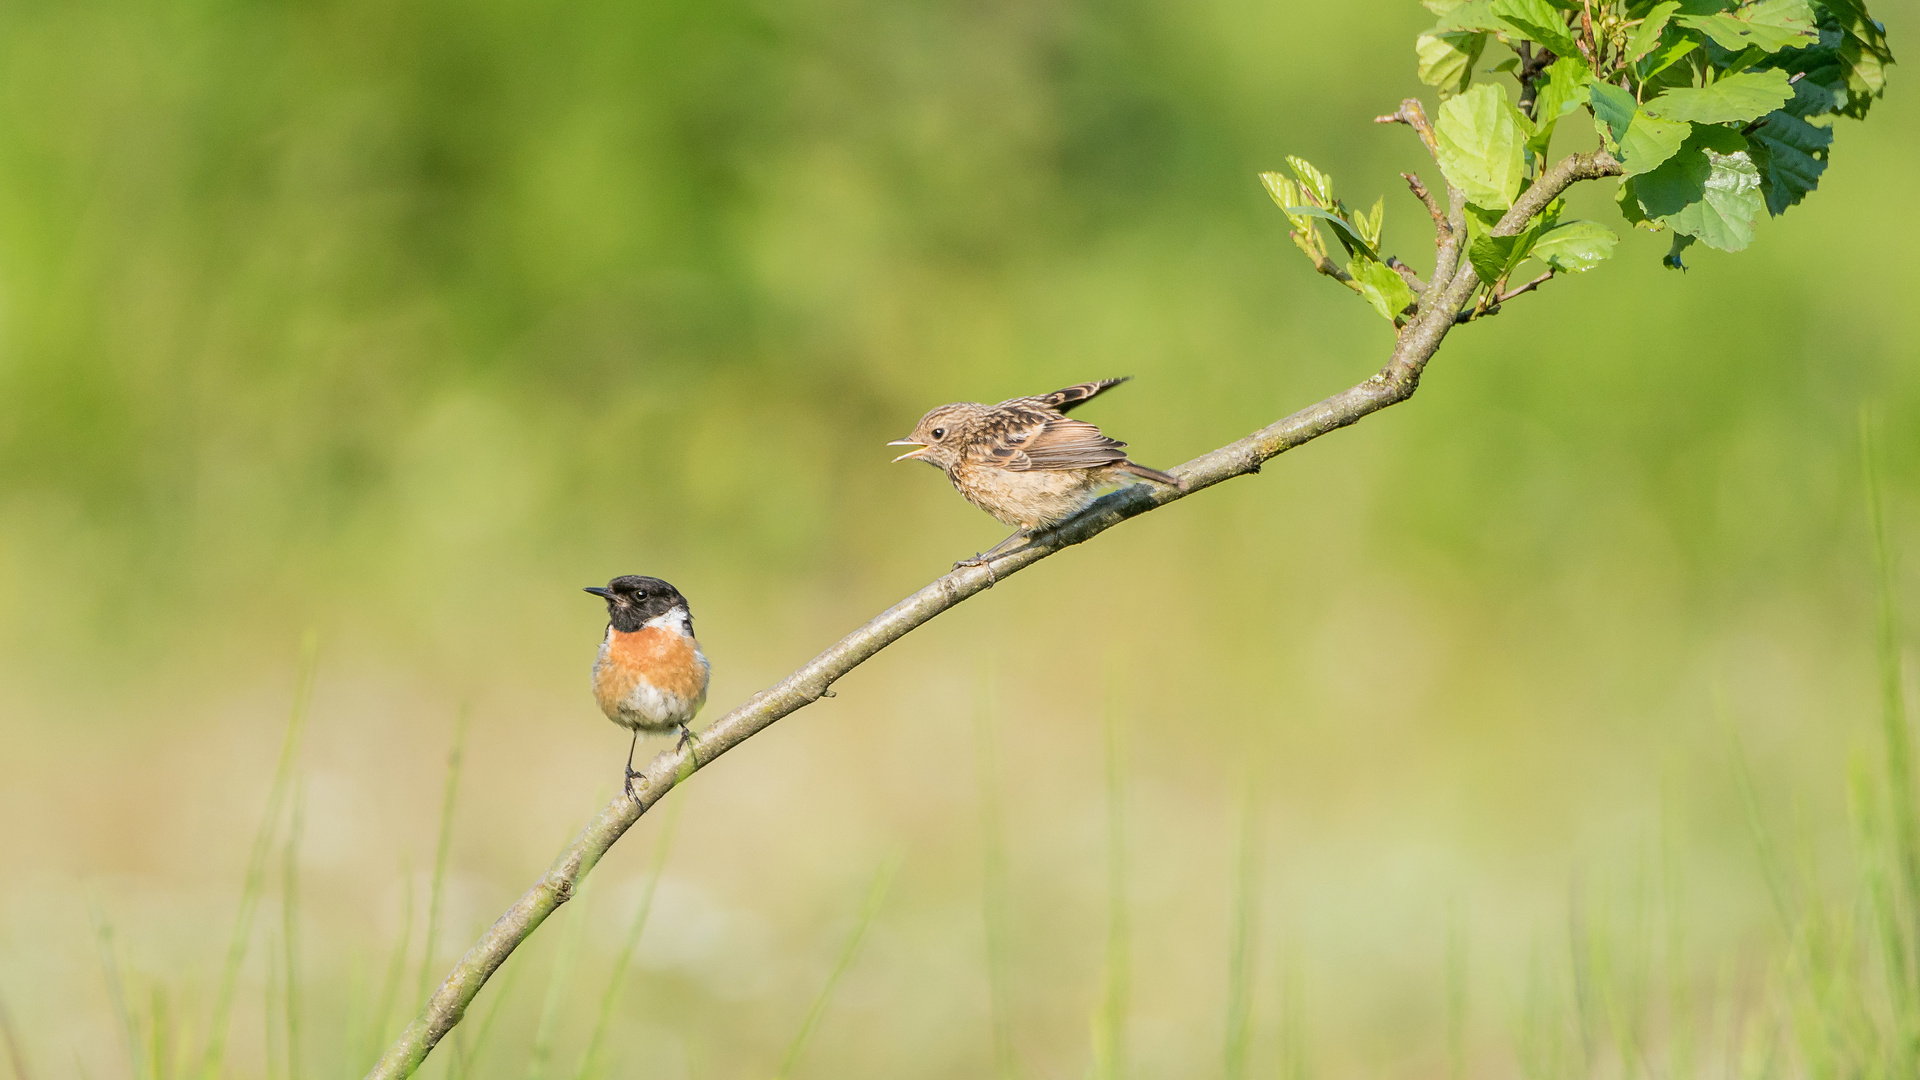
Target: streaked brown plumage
[{"x": 1023, "y": 460}]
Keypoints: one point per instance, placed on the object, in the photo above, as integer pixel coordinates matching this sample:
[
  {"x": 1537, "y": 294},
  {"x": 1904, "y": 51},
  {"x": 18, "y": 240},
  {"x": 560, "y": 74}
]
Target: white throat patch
[{"x": 674, "y": 620}]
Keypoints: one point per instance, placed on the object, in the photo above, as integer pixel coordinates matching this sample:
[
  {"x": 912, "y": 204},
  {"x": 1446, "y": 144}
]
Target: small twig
[
  {"x": 1527, "y": 288},
  {"x": 1406, "y": 273},
  {"x": 1490, "y": 304},
  {"x": 1439, "y": 213},
  {"x": 1414, "y": 115},
  {"x": 1321, "y": 263}
]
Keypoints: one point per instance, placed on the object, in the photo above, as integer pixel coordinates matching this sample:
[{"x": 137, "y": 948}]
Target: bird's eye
[{"x": 939, "y": 433}]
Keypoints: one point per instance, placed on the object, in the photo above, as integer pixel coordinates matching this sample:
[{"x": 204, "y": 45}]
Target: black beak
[{"x": 602, "y": 593}]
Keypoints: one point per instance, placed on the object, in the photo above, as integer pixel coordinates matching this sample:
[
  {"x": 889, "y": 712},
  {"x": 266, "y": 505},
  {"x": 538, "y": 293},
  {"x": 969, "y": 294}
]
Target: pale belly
[{"x": 1032, "y": 499}]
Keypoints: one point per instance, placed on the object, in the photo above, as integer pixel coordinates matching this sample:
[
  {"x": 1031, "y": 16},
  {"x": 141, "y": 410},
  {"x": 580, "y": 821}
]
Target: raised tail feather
[
  {"x": 1154, "y": 475},
  {"x": 1073, "y": 396}
]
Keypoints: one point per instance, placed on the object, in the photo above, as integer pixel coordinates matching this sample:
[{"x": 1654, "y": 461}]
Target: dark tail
[
  {"x": 1072, "y": 396},
  {"x": 1154, "y": 475}
]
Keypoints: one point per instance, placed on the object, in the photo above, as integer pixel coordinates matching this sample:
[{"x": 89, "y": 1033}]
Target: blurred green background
[{"x": 401, "y": 323}]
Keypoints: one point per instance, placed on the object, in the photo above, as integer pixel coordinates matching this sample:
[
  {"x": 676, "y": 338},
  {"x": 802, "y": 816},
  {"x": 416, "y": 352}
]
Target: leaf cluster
[
  {"x": 1709, "y": 111},
  {"x": 1715, "y": 108}
]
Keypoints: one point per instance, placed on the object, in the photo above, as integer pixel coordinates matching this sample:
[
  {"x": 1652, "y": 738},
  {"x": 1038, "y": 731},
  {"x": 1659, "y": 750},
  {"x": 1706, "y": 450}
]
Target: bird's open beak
[
  {"x": 602, "y": 593},
  {"x": 910, "y": 453}
]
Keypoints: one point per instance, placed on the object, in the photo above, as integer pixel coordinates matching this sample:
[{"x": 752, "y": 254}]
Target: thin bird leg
[
  {"x": 982, "y": 557},
  {"x": 630, "y": 773}
]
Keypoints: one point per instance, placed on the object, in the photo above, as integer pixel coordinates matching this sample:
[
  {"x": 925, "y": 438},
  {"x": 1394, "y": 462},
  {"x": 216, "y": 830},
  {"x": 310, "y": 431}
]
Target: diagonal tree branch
[{"x": 1415, "y": 345}]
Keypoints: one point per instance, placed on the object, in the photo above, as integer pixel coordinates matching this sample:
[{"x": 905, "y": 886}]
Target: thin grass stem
[
  {"x": 442, "y": 848},
  {"x": 1244, "y": 929},
  {"x": 16, "y": 1047},
  {"x": 876, "y": 893},
  {"x": 1110, "y": 1023},
  {"x": 254, "y": 884},
  {"x": 993, "y": 879},
  {"x": 661, "y": 847},
  {"x": 290, "y": 929},
  {"x": 1456, "y": 993},
  {"x": 500, "y": 996},
  {"x": 116, "y": 983},
  {"x": 558, "y": 979},
  {"x": 396, "y": 966}
]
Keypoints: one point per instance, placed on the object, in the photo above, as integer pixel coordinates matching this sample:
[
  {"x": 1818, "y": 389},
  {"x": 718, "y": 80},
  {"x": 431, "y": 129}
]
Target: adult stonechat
[
  {"x": 650, "y": 675},
  {"x": 1023, "y": 460}
]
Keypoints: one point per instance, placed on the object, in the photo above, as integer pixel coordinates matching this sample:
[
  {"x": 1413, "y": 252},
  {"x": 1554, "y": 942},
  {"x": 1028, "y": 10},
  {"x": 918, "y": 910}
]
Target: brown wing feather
[
  {"x": 1065, "y": 399},
  {"x": 1024, "y": 436}
]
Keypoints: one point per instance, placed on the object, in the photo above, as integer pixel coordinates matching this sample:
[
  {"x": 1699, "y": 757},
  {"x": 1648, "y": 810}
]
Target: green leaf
[
  {"x": 1629, "y": 203},
  {"x": 1641, "y": 142},
  {"x": 1669, "y": 55},
  {"x": 1370, "y": 222},
  {"x": 1671, "y": 260},
  {"x": 1705, "y": 193},
  {"x": 1382, "y": 286},
  {"x": 1614, "y": 108},
  {"x": 1286, "y": 194},
  {"x": 1316, "y": 183},
  {"x": 1770, "y": 25},
  {"x": 1491, "y": 256},
  {"x": 1539, "y": 21},
  {"x": 1495, "y": 257},
  {"x": 1562, "y": 91},
  {"x": 1576, "y": 247},
  {"x": 1446, "y": 60},
  {"x": 1790, "y": 154},
  {"x": 1647, "y": 34},
  {"x": 1861, "y": 52},
  {"x": 1735, "y": 99},
  {"x": 1352, "y": 236},
  {"x": 1481, "y": 144},
  {"x": 1472, "y": 15}
]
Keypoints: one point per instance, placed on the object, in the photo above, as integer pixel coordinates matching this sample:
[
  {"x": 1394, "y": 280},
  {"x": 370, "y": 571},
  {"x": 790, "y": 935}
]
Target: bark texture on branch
[{"x": 1452, "y": 282}]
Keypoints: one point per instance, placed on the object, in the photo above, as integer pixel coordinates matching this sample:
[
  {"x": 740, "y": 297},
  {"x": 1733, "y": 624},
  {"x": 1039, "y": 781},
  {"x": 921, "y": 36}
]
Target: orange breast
[{"x": 660, "y": 657}]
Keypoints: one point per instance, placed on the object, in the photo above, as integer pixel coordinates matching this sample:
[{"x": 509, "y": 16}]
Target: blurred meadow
[{"x": 1415, "y": 756}]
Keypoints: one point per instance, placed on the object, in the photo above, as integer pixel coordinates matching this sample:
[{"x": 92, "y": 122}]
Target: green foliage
[
  {"x": 1482, "y": 145},
  {"x": 1307, "y": 199},
  {"x": 1712, "y": 111}
]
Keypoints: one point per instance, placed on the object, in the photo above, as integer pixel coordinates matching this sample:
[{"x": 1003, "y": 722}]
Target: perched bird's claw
[
  {"x": 631, "y": 775},
  {"x": 980, "y": 559}
]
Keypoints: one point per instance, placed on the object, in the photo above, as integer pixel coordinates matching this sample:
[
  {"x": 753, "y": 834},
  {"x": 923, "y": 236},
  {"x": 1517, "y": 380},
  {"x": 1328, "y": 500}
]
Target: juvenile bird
[
  {"x": 650, "y": 675},
  {"x": 1022, "y": 460}
]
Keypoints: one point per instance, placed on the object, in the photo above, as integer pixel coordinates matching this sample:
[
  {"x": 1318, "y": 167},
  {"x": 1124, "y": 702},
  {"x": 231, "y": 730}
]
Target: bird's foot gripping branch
[{"x": 1707, "y": 111}]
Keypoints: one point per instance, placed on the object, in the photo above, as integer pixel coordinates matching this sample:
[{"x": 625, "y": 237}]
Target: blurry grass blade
[
  {"x": 876, "y": 893},
  {"x": 993, "y": 879},
  {"x": 116, "y": 984},
  {"x": 255, "y": 884},
  {"x": 290, "y": 929},
  {"x": 396, "y": 969},
  {"x": 1110, "y": 1042},
  {"x": 661, "y": 847},
  {"x": 1293, "y": 1021},
  {"x": 1898, "y": 741},
  {"x": 271, "y": 993},
  {"x": 442, "y": 847},
  {"x": 558, "y": 978},
  {"x": 1456, "y": 993},
  {"x": 471, "y": 1053},
  {"x": 159, "y": 1060},
  {"x": 1240, "y": 949},
  {"x": 17, "y": 1050},
  {"x": 1770, "y": 867}
]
